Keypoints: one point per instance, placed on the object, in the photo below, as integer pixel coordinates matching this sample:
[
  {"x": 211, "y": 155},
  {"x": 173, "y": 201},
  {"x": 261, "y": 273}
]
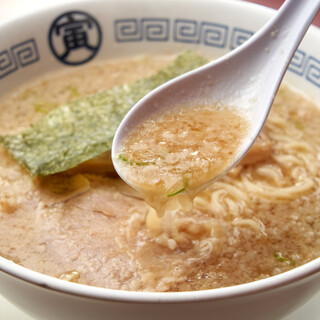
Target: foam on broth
[
  {"x": 176, "y": 153},
  {"x": 258, "y": 221}
]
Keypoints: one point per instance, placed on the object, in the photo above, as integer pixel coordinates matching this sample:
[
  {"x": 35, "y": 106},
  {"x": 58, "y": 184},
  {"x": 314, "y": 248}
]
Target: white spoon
[{"x": 246, "y": 78}]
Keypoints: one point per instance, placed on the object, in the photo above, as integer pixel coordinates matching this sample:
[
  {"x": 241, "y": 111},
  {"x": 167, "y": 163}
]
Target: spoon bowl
[{"x": 247, "y": 79}]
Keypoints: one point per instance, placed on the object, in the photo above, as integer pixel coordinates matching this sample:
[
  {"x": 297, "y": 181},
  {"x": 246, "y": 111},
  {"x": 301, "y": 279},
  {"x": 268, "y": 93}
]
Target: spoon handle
[
  {"x": 283, "y": 34},
  {"x": 272, "y": 48}
]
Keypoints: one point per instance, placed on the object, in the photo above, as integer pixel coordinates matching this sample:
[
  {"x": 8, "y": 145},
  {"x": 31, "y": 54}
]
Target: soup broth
[
  {"x": 178, "y": 153},
  {"x": 258, "y": 221}
]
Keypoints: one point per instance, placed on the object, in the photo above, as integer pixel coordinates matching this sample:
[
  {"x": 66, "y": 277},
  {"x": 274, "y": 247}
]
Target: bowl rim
[{"x": 289, "y": 278}]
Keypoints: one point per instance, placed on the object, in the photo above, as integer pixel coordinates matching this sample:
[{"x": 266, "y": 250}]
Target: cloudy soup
[
  {"x": 65, "y": 212},
  {"x": 170, "y": 157}
]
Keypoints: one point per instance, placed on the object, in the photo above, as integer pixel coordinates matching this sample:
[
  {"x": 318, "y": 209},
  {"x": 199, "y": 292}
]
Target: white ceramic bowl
[{"x": 30, "y": 47}]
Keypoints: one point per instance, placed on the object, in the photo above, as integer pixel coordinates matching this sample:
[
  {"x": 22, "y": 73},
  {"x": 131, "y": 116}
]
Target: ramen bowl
[{"x": 35, "y": 44}]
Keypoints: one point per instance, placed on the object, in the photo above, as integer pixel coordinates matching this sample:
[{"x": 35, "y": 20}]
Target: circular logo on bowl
[{"x": 75, "y": 37}]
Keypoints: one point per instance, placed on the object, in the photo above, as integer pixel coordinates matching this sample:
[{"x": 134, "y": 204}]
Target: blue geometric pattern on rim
[
  {"x": 21, "y": 54},
  {"x": 208, "y": 34},
  {"x": 155, "y": 29},
  {"x": 149, "y": 29},
  {"x": 191, "y": 31},
  {"x": 297, "y": 64},
  {"x": 214, "y": 34},
  {"x": 26, "y": 52},
  {"x": 184, "y": 30},
  {"x": 238, "y": 37},
  {"x": 187, "y": 31},
  {"x": 8, "y": 63},
  {"x": 127, "y": 30},
  {"x": 158, "y": 29},
  {"x": 313, "y": 71}
]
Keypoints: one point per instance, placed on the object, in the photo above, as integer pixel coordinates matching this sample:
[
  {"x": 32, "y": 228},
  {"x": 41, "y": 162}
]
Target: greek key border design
[
  {"x": 18, "y": 56},
  {"x": 149, "y": 29},
  {"x": 188, "y": 31},
  {"x": 209, "y": 34}
]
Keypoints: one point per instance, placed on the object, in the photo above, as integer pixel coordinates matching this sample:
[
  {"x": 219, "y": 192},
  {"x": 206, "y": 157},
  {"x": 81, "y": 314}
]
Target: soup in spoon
[{"x": 172, "y": 156}]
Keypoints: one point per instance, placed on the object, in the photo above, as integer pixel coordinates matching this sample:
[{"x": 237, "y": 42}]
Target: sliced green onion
[
  {"x": 74, "y": 92},
  {"x": 143, "y": 163},
  {"x": 299, "y": 125},
  {"x": 177, "y": 192},
  {"x": 122, "y": 158},
  {"x": 279, "y": 257}
]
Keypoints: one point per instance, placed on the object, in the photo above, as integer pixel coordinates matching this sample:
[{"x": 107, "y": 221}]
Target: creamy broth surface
[
  {"x": 261, "y": 219},
  {"x": 176, "y": 153}
]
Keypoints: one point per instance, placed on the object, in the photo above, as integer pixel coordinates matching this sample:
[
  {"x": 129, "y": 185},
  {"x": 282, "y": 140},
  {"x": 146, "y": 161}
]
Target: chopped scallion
[
  {"x": 141, "y": 163},
  {"x": 279, "y": 257},
  {"x": 179, "y": 191}
]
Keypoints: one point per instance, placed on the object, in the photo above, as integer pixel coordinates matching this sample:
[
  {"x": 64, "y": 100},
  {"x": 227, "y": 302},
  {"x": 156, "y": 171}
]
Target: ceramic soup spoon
[{"x": 246, "y": 78}]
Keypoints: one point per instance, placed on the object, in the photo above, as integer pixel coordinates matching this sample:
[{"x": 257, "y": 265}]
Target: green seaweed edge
[{"x": 83, "y": 129}]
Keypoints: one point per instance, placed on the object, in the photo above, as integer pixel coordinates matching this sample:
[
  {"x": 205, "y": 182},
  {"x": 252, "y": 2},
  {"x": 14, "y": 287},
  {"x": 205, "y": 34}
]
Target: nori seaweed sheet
[{"x": 83, "y": 129}]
